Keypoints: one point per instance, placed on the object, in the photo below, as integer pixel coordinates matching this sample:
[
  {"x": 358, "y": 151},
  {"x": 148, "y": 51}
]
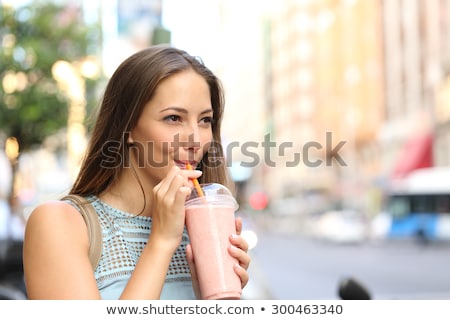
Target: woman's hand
[
  {"x": 194, "y": 277},
  {"x": 169, "y": 196},
  {"x": 238, "y": 249},
  {"x": 167, "y": 211}
]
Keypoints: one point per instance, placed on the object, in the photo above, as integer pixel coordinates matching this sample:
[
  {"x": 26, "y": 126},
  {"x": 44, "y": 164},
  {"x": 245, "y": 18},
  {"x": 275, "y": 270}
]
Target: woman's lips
[{"x": 182, "y": 163}]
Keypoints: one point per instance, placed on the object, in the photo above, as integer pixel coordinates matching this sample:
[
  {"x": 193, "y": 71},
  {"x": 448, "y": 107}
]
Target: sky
[{"x": 194, "y": 27}]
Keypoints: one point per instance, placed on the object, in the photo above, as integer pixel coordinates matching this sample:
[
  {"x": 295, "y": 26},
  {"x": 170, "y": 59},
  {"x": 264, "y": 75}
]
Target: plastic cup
[{"x": 210, "y": 220}]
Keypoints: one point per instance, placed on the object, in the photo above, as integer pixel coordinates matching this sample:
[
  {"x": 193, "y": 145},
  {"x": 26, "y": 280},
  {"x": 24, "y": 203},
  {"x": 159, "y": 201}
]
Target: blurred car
[
  {"x": 340, "y": 226},
  {"x": 12, "y": 284},
  {"x": 291, "y": 206}
]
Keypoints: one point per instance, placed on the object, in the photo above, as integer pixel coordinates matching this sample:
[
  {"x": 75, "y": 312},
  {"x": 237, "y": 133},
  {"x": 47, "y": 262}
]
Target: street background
[
  {"x": 341, "y": 101},
  {"x": 293, "y": 266}
]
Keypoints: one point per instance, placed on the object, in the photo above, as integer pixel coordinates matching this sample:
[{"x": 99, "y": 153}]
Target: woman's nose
[{"x": 190, "y": 137}]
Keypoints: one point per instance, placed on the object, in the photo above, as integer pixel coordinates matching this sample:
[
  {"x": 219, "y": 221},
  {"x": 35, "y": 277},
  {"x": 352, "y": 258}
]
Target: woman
[{"x": 161, "y": 110}]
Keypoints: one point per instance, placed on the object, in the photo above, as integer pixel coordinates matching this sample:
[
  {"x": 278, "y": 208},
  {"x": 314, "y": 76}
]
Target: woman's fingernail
[{"x": 234, "y": 236}]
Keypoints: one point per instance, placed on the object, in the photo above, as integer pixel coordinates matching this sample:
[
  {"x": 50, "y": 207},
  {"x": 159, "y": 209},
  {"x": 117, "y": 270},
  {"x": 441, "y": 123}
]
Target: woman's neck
[{"x": 129, "y": 193}]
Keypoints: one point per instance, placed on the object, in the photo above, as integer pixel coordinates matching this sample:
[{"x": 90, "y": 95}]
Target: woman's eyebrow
[
  {"x": 174, "y": 109},
  {"x": 183, "y": 110},
  {"x": 209, "y": 110}
]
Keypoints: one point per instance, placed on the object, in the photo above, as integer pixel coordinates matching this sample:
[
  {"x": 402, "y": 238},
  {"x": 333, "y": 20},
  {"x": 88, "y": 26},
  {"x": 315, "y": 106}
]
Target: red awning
[{"x": 417, "y": 153}]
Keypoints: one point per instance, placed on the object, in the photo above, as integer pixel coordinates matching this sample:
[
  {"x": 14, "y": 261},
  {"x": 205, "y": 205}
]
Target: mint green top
[{"x": 124, "y": 238}]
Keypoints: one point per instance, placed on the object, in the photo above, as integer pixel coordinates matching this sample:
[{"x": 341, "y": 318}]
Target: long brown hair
[{"x": 130, "y": 88}]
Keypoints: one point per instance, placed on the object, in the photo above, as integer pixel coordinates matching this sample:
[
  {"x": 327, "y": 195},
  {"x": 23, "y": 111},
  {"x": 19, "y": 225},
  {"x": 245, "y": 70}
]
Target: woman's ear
[{"x": 130, "y": 140}]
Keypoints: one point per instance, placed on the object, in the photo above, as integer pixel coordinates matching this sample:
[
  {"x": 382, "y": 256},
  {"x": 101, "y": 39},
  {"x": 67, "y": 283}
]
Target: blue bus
[{"x": 419, "y": 205}]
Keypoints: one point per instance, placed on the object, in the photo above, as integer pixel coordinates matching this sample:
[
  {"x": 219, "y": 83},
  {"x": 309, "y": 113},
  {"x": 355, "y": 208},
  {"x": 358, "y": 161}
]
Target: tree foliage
[{"x": 33, "y": 38}]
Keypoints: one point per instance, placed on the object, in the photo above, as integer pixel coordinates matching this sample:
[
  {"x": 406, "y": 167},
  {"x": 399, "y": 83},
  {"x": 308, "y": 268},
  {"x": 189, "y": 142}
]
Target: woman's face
[{"x": 174, "y": 127}]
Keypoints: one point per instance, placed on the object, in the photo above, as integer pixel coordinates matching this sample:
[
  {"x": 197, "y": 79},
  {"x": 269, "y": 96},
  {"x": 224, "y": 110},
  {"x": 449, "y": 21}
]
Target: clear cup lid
[{"x": 214, "y": 193}]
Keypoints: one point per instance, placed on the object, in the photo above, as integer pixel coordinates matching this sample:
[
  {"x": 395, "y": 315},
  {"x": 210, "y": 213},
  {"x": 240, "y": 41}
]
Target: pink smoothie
[{"x": 209, "y": 228}]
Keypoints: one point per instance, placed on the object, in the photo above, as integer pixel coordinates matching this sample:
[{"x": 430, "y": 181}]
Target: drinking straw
[{"x": 195, "y": 181}]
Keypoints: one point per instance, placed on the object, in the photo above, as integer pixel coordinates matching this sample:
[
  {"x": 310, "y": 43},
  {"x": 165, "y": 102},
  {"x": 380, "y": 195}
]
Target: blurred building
[
  {"x": 415, "y": 132},
  {"x": 367, "y": 78},
  {"x": 326, "y": 76}
]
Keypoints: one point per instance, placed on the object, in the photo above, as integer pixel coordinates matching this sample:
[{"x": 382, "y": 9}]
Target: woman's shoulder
[
  {"x": 55, "y": 224},
  {"x": 54, "y": 217},
  {"x": 52, "y": 209}
]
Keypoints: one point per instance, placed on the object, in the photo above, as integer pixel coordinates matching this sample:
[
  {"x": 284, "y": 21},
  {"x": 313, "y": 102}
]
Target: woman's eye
[
  {"x": 207, "y": 120},
  {"x": 172, "y": 118}
]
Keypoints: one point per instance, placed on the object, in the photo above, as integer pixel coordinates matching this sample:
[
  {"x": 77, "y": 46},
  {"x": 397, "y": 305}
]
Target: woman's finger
[
  {"x": 191, "y": 264},
  {"x": 240, "y": 255},
  {"x": 239, "y": 241},
  {"x": 238, "y": 225},
  {"x": 242, "y": 273}
]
